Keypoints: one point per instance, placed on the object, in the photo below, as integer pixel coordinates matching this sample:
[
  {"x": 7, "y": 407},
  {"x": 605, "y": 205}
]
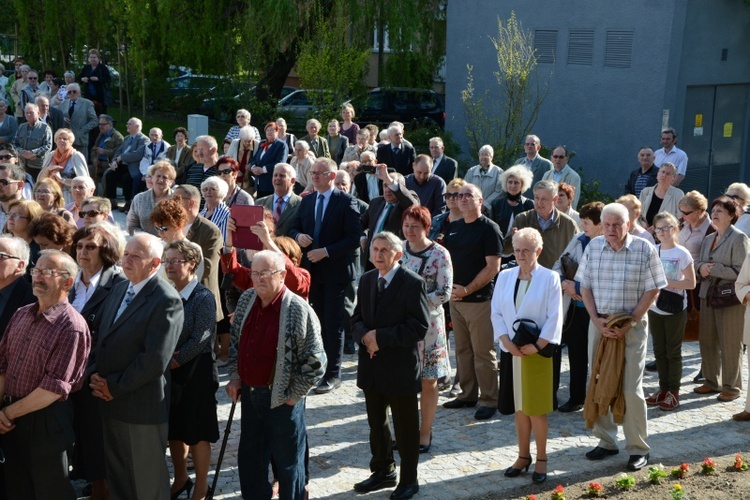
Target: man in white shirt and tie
[
  {"x": 443, "y": 166},
  {"x": 283, "y": 203}
]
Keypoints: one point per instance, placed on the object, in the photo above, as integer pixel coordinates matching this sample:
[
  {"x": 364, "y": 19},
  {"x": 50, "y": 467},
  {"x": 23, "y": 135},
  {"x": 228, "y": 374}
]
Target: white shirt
[
  {"x": 84, "y": 293},
  {"x": 373, "y": 190},
  {"x": 676, "y": 156},
  {"x": 326, "y": 199},
  {"x": 177, "y": 155},
  {"x": 389, "y": 275},
  {"x": 185, "y": 292},
  {"x": 436, "y": 162}
]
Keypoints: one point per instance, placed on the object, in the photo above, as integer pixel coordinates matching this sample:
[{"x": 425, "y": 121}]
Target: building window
[
  {"x": 619, "y": 50},
  {"x": 581, "y": 47},
  {"x": 545, "y": 46}
]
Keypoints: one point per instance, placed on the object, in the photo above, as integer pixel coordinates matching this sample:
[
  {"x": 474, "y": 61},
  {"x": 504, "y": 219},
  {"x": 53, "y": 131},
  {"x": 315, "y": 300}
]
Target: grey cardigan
[
  {"x": 300, "y": 361},
  {"x": 728, "y": 256}
]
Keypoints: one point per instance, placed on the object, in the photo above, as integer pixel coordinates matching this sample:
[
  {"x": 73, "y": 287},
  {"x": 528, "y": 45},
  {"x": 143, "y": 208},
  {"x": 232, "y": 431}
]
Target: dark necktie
[
  {"x": 381, "y": 286},
  {"x": 315, "y": 146},
  {"x": 388, "y": 209},
  {"x": 71, "y": 109},
  {"x": 277, "y": 211},
  {"x": 153, "y": 153},
  {"x": 318, "y": 219}
]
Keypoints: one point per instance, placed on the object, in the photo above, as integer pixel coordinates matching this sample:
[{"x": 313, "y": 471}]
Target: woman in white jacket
[{"x": 529, "y": 292}]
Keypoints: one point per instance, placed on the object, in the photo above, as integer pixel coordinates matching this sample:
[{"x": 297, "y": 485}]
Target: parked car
[
  {"x": 384, "y": 105},
  {"x": 222, "y": 106},
  {"x": 298, "y": 107},
  {"x": 186, "y": 91}
]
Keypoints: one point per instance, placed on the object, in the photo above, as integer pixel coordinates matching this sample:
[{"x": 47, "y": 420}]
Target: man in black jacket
[{"x": 645, "y": 176}]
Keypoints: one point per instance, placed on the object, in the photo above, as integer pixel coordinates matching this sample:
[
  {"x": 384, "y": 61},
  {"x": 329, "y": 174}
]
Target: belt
[{"x": 9, "y": 400}]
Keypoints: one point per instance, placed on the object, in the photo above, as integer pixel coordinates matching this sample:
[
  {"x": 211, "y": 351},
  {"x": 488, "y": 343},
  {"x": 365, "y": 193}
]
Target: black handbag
[
  {"x": 177, "y": 389},
  {"x": 721, "y": 296},
  {"x": 527, "y": 332},
  {"x": 670, "y": 302}
]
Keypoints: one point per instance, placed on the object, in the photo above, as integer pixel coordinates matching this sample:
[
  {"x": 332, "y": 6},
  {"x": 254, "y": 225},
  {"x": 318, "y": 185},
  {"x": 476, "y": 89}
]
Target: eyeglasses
[
  {"x": 32, "y": 78},
  {"x": 161, "y": 229},
  {"x": 226, "y": 171},
  {"x": 663, "y": 229},
  {"x": 209, "y": 190},
  {"x": 48, "y": 273},
  {"x": 72, "y": 91},
  {"x": 90, "y": 213},
  {"x": 264, "y": 274},
  {"x": 7, "y": 256},
  {"x": 448, "y": 196},
  {"x": 89, "y": 247},
  {"x": 6, "y": 157},
  {"x": 17, "y": 216},
  {"x": 558, "y": 156},
  {"x": 174, "y": 262},
  {"x": 530, "y": 144},
  {"x": 160, "y": 177},
  {"x": 103, "y": 124},
  {"x": 6, "y": 182},
  {"x": 319, "y": 172},
  {"x": 686, "y": 213},
  {"x": 467, "y": 196}
]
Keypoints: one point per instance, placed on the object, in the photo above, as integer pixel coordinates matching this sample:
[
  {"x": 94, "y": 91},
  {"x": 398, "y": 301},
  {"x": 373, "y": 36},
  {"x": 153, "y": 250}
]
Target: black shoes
[
  {"x": 637, "y": 462},
  {"x": 459, "y": 403},
  {"x": 511, "y": 472},
  {"x": 699, "y": 378},
  {"x": 598, "y": 453},
  {"x": 403, "y": 492},
  {"x": 539, "y": 477},
  {"x": 349, "y": 347},
  {"x": 185, "y": 487},
  {"x": 376, "y": 481},
  {"x": 485, "y": 413},
  {"x": 651, "y": 366},
  {"x": 425, "y": 448},
  {"x": 570, "y": 407},
  {"x": 328, "y": 385}
]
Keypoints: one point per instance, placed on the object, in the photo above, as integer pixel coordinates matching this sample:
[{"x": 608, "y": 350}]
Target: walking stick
[{"x": 211, "y": 492}]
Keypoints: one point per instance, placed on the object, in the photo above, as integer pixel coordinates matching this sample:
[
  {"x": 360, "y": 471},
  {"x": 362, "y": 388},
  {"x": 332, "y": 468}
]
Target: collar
[
  {"x": 276, "y": 197},
  {"x": 188, "y": 290},
  {"x": 94, "y": 280},
  {"x": 140, "y": 286},
  {"x": 390, "y": 274},
  {"x": 53, "y": 312},
  {"x": 629, "y": 239},
  {"x": 275, "y": 304},
  {"x": 327, "y": 194},
  {"x": 552, "y": 218}
]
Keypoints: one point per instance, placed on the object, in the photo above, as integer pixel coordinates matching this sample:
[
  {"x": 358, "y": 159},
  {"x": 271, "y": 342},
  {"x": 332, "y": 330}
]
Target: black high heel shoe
[
  {"x": 424, "y": 448},
  {"x": 185, "y": 487},
  {"x": 539, "y": 477},
  {"x": 511, "y": 472}
]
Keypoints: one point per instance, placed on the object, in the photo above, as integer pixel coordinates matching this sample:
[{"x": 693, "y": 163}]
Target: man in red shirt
[
  {"x": 43, "y": 355},
  {"x": 279, "y": 358}
]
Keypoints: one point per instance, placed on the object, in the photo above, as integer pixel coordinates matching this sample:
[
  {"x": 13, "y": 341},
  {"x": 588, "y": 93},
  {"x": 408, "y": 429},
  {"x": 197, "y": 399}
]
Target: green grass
[{"x": 167, "y": 122}]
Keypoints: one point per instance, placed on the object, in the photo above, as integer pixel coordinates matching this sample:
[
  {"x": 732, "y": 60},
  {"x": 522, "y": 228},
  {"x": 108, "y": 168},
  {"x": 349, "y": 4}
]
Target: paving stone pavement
[{"x": 468, "y": 457}]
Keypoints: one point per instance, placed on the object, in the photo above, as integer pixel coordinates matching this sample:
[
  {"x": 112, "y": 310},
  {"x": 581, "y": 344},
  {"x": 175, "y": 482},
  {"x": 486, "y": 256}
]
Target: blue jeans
[{"x": 270, "y": 431}]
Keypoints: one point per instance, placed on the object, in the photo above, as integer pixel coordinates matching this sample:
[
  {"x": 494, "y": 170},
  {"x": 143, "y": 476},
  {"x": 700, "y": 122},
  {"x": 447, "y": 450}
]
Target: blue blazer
[
  {"x": 277, "y": 153},
  {"x": 339, "y": 235}
]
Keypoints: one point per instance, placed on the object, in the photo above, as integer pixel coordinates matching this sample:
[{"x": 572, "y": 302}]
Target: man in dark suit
[
  {"x": 443, "y": 166},
  {"x": 391, "y": 317},
  {"x": 141, "y": 322},
  {"x": 318, "y": 144},
  {"x": 51, "y": 116},
  {"x": 384, "y": 212},
  {"x": 126, "y": 164},
  {"x": 283, "y": 203},
  {"x": 366, "y": 183},
  {"x": 103, "y": 149},
  {"x": 534, "y": 161},
  {"x": 327, "y": 228},
  {"x": 399, "y": 154},
  {"x": 15, "y": 290}
]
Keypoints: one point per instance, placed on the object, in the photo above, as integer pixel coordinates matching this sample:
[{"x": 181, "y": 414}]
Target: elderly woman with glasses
[
  {"x": 193, "y": 423},
  {"x": 81, "y": 187},
  {"x": 20, "y": 215},
  {"x": 95, "y": 210},
  {"x": 48, "y": 194},
  {"x": 139, "y": 216},
  {"x": 97, "y": 249},
  {"x": 64, "y": 163},
  {"x": 169, "y": 219},
  {"x": 663, "y": 197},
  {"x": 228, "y": 170},
  {"x": 214, "y": 190},
  {"x": 515, "y": 181}
]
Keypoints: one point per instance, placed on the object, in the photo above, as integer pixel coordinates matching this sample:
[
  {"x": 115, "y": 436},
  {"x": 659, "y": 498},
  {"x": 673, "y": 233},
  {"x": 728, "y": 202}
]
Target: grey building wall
[{"x": 604, "y": 114}]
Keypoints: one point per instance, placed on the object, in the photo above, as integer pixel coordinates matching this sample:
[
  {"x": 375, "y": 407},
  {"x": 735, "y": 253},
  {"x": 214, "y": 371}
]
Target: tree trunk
[{"x": 381, "y": 43}]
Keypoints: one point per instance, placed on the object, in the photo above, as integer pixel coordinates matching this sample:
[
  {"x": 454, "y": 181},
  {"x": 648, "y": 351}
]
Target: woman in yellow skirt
[{"x": 529, "y": 292}]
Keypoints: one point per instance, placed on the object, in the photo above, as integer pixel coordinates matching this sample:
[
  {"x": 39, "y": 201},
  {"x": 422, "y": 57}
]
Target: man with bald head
[
  {"x": 429, "y": 187},
  {"x": 283, "y": 203},
  {"x": 140, "y": 324}
]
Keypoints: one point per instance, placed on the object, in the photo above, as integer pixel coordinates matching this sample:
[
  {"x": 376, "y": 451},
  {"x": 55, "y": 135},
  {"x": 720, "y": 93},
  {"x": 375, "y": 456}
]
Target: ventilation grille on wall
[
  {"x": 619, "y": 52},
  {"x": 545, "y": 46},
  {"x": 581, "y": 47}
]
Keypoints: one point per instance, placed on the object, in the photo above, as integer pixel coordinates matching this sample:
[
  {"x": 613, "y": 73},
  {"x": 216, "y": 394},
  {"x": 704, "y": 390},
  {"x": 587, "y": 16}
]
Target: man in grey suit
[
  {"x": 126, "y": 164},
  {"x": 141, "y": 322},
  {"x": 533, "y": 161},
  {"x": 79, "y": 116},
  {"x": 285, "y": 210}
]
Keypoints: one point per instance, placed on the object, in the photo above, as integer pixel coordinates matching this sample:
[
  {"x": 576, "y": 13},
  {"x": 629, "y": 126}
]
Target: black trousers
[
  {"x": 327, "y": 300},
  {"x": 576, "y": 337},
  {"x": 112, "y": 178},
  {"x": 36, "y": 463},
  {"x": 405, "y": 411}
]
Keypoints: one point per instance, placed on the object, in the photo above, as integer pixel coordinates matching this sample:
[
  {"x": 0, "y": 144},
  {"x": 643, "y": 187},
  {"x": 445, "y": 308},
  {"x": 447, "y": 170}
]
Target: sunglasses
[
  {"x": 5, "y": 182},
  {"x": 686, "y": 213},
  {"x": 6, "y": 157},
  {"x": 225, "y": 171},
  {"x": 89, "y": 247},
  {"x": 558, "y": 156},
  {"x": 90, "y": 213},
  {"x": 449, "y": 196},
  {"x": 161, "y": 229}
]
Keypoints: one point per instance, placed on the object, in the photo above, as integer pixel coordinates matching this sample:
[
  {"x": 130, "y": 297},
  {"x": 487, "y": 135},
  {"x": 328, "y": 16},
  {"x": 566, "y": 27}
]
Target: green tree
[
  {"x": 328, "y": 60},
  {"x": 504, "y": 115}
]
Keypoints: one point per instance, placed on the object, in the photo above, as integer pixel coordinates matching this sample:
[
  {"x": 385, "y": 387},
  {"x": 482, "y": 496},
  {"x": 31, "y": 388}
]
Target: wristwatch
[{"x": 633, "y": 323}]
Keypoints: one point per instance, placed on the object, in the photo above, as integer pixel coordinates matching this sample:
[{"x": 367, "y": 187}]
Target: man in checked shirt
[{"x": 43, "y": 356}]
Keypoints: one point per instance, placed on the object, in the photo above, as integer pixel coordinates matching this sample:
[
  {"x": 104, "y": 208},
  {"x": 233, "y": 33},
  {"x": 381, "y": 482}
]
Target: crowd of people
[{"x": 360, "y": 246}]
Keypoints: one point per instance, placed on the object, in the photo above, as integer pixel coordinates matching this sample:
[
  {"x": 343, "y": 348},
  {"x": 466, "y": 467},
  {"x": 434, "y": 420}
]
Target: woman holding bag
[
  {"x": 532, "y": 293},
  {"x": 668, "y": 315},
  {"x": 721, "y": 257}
]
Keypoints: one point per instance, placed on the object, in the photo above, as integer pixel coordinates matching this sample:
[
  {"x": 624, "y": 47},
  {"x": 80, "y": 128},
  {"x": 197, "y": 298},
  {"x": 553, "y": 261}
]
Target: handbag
[
  {"x": 721, "y": 296},
  {"x": 177, "y": 389},
  {"x": 527, "y": 332},
  {"x": 670, "y": 302},
  {"x": 569, "y": 267}
]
